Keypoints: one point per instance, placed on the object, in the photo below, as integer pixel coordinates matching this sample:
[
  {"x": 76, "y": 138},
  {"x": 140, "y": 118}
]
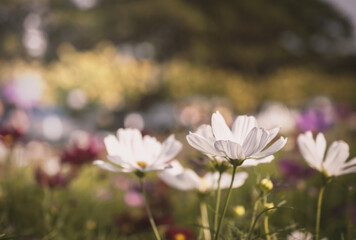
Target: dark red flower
[
  {"x": 54, "y": 175},
  {"x": 81, "y": 151}
]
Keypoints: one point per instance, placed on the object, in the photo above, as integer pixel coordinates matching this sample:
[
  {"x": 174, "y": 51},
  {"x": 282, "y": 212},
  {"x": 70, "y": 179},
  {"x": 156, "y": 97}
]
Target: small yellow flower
[
  {"x": 266, "y": 185},
  {"x": 179, "y": 236},
  {"x": 239, "y": 210}
]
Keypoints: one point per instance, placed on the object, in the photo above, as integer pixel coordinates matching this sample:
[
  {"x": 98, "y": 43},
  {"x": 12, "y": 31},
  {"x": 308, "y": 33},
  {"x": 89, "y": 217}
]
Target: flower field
[{"x": 178, "y": 120}]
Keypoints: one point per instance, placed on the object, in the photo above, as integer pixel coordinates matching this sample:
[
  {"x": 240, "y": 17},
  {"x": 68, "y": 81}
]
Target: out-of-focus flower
[
  {"x": 334, "y": 163},
  {"x": 121, "y": 182},
  {"x": 277, "y": 115},
  {"x": 77, "y": 99},
  {"x": 182, "y": 233},
  {"x": 51, "y": 173},
  {"x": 25, "y": 91},
  {"x": 9, "y": 135},
  {"x": 244, "y": 143},
  {"x": 15, "y": 127},
  {"x": 134, "y": 120},
  {"x": 82, "y": 148},
  {"x": 298, "y": 235},
  {"x": 186, "y": 179},
  {"x": 52, "y": 127},
  {"x": 85, "y": 4},
  {"x": 37, "y": 151},
  {"x": 291, "y": 169},
  {"x": 130, "y": 152},
  {"x": 318, "y": 117},
  {"x": 312, "y": 120},
  {"x": 134, "y": 199},
  {"x": 239, "y": 210},
  {"x": 103, "y": 194}
]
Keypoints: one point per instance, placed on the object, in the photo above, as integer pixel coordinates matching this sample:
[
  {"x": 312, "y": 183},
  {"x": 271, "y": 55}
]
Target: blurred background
[{"x": 72, "y": 71}]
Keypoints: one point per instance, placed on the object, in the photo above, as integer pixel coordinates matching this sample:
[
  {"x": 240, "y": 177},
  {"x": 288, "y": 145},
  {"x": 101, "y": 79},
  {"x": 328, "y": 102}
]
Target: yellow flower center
[
  {"x": 179, "y": 236},
  {"x": 141, "y": 164}
]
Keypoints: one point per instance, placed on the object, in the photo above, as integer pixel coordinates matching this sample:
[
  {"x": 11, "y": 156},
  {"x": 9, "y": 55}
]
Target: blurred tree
[{"x": 248, "y": 36}]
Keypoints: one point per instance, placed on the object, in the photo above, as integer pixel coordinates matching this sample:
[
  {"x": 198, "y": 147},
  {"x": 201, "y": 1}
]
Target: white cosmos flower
[
  {"x": 245, "y": 141},
  {"x": 130, "y": 152},
  {"x": 334, "y": 163},
  {"x": 297, "y": 235},
  {"x": 186, "y": 179}
]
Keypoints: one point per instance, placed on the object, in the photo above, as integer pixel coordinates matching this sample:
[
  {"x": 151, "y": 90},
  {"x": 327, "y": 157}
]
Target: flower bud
[
  {"x": 268, "y": 206},
  {"x": 266, "y": 185},
  {"x": 239, "y": 210}
]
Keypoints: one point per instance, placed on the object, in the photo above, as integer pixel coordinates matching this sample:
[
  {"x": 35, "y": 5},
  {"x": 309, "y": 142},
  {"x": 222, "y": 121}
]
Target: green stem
[
  {"x": 217, "y": 206},
  {"x": 266, "y": 227},
  {"x": 153, "y": 224},
  {"x": 205, "y": 220},
  {"x": 255, "y": 206},
  {"x": 320, "y": 199},
  {"x": 226, "y": 203},
  {"x": 265, "y": 221}
]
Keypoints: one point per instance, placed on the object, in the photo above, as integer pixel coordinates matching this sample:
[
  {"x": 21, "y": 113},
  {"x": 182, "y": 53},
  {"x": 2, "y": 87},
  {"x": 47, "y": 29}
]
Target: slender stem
[
  {"x": 255, "y": 206},
  {"x": 153, "y": 224},
  {"x": 205, "y": 220},
  {"x": 226, "y": 203},
  {"x": 217, "y": 206},
  {"x": 320, "y": 199},
  {"x": 265, "y": 223}
]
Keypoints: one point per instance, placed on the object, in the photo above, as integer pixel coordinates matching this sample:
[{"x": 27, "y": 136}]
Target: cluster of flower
[{"x": 245, "y": 145}]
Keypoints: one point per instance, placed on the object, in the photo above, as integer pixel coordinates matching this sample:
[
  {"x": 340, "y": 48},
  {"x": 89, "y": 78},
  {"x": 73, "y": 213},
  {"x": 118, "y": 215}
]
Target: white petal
[
  {"x": 125, "y": 139},
  {"x": 275, "y": 147},
  {"x": 156, "y": 167},
  {"x": 206, "y": 131},
  {"x": 251, "y": 142},
  {"x": 186, "y": 180},
  {"x": 175, "y": 168},
  {"x": 230, "y": 149},
  {"x": 320, "y": 145},
  {"x": 210, "y": 181},
  {"x": 242, "y": 126},
  {"x": 238, "y": 181},
  {"x": 202, "y": 144},
  {"x": 170, "y": 148},
  {"x": 346, "y": 171},
  {"x": 308, "y": 149},
  {"x": 254, "y": 162},
  {"x": 271, "y": 134},
  {"x": 107, "y": 166},
  {"x": 220, "y": 129},
  {"x": 337, "y": 154},
  {"x": 152, "y": 146},
  {"x": 255, "y": 141},
  {"x": 118, "y": 161},
  {"x": 350, "y": 163},
  {"x": 112, "y": 145}
]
